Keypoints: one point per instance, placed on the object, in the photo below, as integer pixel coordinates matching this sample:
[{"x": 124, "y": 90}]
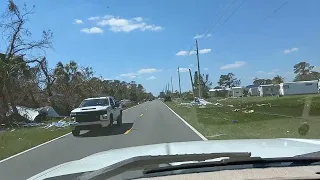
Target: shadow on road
[{"x": 108, "y": 131}]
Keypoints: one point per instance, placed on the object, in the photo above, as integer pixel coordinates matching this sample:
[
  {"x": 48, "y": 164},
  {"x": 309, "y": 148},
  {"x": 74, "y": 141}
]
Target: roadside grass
[
  {"x": 13, "y": 142},
  {"x": 272, "y": 117}
]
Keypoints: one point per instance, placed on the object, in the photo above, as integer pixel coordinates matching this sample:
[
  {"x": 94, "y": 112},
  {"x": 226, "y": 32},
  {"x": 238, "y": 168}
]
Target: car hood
[
  {"x": 265, "y": 148},
  {"x": 89, "y": 108}
]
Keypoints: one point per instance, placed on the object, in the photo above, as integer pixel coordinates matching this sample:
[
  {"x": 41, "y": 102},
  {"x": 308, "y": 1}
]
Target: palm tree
[{"x": 277, "y": 79}]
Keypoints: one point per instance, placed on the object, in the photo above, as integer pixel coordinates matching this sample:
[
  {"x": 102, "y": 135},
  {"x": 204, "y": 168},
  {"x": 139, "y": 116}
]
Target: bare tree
[{"x": 19, "y": 44}]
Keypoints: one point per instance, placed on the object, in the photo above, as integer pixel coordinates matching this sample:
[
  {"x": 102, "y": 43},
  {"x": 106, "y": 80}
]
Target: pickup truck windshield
[{"x": 94, "y": 102}]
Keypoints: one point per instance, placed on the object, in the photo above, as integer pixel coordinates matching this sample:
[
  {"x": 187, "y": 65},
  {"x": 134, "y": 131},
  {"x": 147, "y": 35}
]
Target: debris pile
[{"x": 60, "y": 124}]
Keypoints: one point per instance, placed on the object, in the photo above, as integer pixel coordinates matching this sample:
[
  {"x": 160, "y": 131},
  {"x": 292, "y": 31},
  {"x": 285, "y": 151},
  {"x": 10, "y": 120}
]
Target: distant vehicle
[{"x": 96, "y": 113}]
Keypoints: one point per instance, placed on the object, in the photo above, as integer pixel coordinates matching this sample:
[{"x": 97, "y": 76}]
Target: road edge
[
  {"x": 25, "y": 151},
  {"x": 184, "y": 121}
]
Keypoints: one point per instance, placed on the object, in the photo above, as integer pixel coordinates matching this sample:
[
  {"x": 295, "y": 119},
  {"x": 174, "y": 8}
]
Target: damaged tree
[{"x": 19, "y": 44}]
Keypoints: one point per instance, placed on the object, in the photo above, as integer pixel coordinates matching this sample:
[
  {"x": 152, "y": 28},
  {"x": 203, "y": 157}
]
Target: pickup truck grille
[{"x": 88, "y": 116}]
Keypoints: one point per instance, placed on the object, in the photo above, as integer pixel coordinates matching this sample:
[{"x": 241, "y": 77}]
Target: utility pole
[
  {"x": 166, "y": 89},
  {"x": 199, "y": 74},
  {"x": 191, "y": 83},
  {"x": 171, "y": 85},
  {"x": 179, "y": 81}
]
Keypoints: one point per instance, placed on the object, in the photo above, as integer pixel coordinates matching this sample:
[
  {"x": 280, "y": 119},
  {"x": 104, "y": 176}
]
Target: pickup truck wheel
[
  {"x": 119, "y": 120},
  {"x": 76, "y": 132}
]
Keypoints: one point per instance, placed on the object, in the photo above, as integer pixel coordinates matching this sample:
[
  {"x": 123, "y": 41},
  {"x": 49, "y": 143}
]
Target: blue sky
[{"x": 146, "y": 41}]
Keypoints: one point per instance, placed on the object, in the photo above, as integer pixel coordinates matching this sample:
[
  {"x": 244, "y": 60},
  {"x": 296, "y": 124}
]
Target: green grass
[
  {"x": 278, "y": 118},
  {"x": 13, "y": 142}
]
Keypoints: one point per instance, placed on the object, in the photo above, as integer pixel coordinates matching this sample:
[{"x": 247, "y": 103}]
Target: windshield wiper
[
  {"x": 140, "y": 161},
  {"x": 257, "y": 162}
]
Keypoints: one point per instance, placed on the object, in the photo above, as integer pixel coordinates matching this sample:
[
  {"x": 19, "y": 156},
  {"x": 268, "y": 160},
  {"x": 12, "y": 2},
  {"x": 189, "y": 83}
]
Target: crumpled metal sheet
[{"x": 32, "y": 113}]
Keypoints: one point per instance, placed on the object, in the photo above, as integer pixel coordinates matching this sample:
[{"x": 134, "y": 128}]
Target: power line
[
  {"x": 193, "y": 45},
  {"x": 220, "y": 18},
  {"x": 228, "y": 18},
  {"x": 276, "y": 10}
]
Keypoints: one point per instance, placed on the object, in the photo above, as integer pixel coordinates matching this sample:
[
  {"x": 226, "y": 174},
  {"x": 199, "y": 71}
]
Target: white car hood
[
  {"x": 265, "y": 148},
  {"x": 89, "y": 108}
]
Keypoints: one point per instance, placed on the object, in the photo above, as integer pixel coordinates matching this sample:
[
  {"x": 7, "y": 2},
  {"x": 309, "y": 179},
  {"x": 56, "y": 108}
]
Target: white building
[
  {"x": 236, "y": 92},
  {"x": 269, "y": 90},
  {"x": 254, "y": 91},
  {"x": 299, "y": 87}
]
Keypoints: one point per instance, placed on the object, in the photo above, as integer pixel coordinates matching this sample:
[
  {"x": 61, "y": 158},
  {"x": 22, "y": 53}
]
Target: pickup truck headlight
[{"x": 105, "y": 116}]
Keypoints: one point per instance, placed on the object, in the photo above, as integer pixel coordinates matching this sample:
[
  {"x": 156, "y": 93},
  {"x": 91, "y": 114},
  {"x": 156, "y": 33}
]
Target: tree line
[{"x": 26, "y": 79}]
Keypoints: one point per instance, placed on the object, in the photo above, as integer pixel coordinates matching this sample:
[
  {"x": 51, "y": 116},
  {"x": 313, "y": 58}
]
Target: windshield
[
  {"x": 212, "y": 76},
  {"x": 94, "y": 102}
]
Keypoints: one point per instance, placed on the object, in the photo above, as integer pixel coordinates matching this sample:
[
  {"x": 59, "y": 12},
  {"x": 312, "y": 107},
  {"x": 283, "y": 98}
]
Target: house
[
  {"x": 299, "y": 87},
  {"x": 221, "y": 91},
  {"x": 236, "y": 91},
  {"x": 253, "y": 90},
  {"x": 269, "y": 90}
]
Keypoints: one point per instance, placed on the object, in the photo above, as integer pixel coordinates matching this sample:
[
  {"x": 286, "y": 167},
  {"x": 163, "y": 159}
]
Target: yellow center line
[{"x": 128, "y": 131}]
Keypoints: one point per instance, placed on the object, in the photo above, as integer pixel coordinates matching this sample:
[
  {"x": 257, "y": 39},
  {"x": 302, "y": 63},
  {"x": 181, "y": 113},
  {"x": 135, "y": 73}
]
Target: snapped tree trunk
[{"x": 8, "y": 88}]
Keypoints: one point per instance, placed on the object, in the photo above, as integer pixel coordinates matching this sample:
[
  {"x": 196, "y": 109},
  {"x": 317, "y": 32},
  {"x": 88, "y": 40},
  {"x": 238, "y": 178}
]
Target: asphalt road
[{"x": 148, "y": 123}]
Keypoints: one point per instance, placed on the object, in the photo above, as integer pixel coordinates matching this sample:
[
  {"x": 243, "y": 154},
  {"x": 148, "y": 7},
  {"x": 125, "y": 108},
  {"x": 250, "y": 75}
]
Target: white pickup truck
[{"x": 96, "y": 113}]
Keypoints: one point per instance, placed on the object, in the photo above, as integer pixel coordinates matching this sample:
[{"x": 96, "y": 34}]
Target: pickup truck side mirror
[{"x": 117, "y": 104}]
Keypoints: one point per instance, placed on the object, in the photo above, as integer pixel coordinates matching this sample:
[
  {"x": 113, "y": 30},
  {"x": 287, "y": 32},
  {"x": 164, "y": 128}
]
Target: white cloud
[
  {"x": 147, "y": 71},
  {"x": 236, "y": 64},
  {"x": 204, "y": 51},
  {"x": 190, "y": 65},
  {"x": 183, "y": 69},
  {"x": 93, "y": 18},
  {"x": 127, "y": 75},
  {"x": 287, "y": 51},
  {"x": 206, "y": 69},
  {"x": 140, "y": 72},
  {"x": 273, "y": 72},
  {"x": 117, "y": 24},
  {"x": 139, "y": 19},
  {"x": 93, "y": 30},
  {"x": 78, "y": 21},
  {"x": 182, "y": 53},
  {"x": 151, "y": 78},
  {"x": 188, "y": 53},
  {"x": 198, "y": 36}
]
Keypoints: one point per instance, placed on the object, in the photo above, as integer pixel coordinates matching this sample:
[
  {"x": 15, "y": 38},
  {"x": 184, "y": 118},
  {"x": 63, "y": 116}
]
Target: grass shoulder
[
  {"x": 270, "y": 117},
  {"x": 15, "y": 141}
]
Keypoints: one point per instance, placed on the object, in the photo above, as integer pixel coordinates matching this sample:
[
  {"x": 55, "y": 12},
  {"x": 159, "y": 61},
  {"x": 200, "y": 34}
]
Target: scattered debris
[
  {"x": 32, "y": 113},
  {"x": 33, "y": 124},
  {"x": 198, "y": 101},
  {"x": 236, "y": 110},
  {"x": 230, "y": 105},
  {"x": 218, "y": 104},
  {"x": 235, "y": 121},
  {"x": 60, "y": 124},
  {"x": 248, "y": 111}
]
